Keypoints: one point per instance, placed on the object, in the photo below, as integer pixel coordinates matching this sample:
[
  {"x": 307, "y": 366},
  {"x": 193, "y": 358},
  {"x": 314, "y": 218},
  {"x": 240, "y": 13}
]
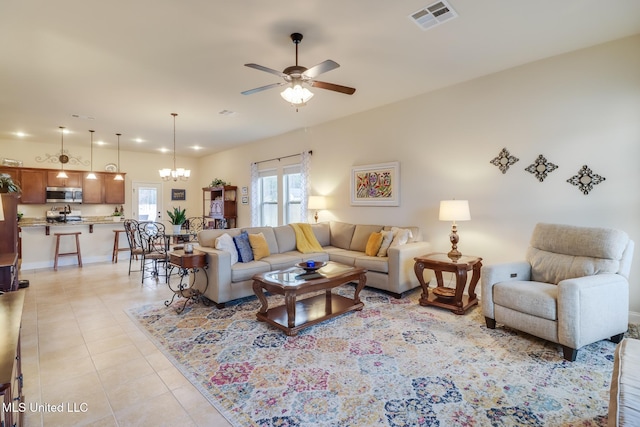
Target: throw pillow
[
  {"x": 245, "y": 254},
  {"x": 400, "y": 236},
  {"x": 225, "y": 243},
  {"x": 373, "y": 244},
  {"x": 387, "y": 237},
  {"x": 259, "y": 246}
]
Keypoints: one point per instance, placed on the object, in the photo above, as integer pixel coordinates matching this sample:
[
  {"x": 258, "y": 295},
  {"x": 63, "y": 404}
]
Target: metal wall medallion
[
  {"x": 504, "y": 160},
  {"x": 541, "y": 167},
  {"x": 62, "y": 157},
  {"x": 585, "y": 180}
]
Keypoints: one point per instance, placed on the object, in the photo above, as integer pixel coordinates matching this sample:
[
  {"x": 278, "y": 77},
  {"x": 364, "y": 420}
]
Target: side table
[
  {"x": 452, "y": 299},
  {"x": 188, "y": 264}
]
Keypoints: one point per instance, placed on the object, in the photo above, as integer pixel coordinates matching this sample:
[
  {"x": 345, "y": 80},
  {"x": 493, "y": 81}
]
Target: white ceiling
[{"x": 130, "y": 64}]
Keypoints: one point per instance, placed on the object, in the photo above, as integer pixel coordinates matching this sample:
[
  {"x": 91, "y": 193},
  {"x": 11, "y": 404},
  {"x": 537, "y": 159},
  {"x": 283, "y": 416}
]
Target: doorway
[{"x": 147, "y": 201}]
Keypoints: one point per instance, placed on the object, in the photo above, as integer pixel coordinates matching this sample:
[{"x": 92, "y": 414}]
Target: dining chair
[
  {"x": 154, "y": 250},
  {"x": 135, "y": 244}
]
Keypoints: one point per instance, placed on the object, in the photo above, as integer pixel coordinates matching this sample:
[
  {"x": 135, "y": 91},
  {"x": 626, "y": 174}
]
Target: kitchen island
[{"x": 96, "y": 241}]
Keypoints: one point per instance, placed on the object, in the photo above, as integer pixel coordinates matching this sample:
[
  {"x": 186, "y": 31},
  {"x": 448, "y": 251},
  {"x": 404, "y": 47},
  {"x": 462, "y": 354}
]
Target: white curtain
[
  {"x": 255, "y": 196},
  {"x": 305, "y": 168}
]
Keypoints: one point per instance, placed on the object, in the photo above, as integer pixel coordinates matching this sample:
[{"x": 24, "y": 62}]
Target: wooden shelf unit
[{"x": 218, "y": 204}]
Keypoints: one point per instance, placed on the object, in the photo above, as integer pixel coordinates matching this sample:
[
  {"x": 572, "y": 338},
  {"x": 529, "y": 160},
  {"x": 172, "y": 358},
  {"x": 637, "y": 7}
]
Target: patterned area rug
[{"x": 395, "y": 363}]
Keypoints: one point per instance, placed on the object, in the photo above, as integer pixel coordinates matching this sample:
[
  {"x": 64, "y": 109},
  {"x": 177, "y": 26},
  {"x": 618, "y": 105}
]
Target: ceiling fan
[{"x": 296, "y": 76}]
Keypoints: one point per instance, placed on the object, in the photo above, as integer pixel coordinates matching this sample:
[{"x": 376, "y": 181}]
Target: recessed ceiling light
[
  {"x": 197, "y": 147},
  {"x": 20, "y": 134},
  {"x": 139, "y": 140},
  {"x": 164, "y": 150}
]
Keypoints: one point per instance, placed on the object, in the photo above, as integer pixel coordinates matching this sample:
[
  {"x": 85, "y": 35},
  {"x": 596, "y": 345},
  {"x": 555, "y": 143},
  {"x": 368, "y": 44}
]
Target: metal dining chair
[
  {"x": 154, "y": 250},
  {"x": 135, "y": 244}
]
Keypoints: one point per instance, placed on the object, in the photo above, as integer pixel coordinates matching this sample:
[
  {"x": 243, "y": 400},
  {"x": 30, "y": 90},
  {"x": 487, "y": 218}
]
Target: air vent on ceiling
[{"x": 433, "y": 15}]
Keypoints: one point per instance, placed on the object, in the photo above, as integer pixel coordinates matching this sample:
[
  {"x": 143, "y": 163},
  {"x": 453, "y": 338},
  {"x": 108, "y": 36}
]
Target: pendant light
[
  {"x": 91, "y": 175},
  {"x": 175, "y": 173},
  {"x": 63, "y": 157},
  {"x": 118, "y": 176}
]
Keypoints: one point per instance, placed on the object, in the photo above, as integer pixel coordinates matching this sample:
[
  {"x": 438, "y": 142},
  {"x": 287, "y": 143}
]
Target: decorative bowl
[{"x": 317, "y": 265}]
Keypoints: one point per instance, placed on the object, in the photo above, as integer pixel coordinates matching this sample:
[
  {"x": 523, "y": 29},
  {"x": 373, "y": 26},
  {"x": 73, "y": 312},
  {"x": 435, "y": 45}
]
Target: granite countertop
[{"x": 86, "y": 220}]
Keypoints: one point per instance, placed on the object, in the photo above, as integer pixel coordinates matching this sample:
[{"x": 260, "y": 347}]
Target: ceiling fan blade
[
  {"x": 330, "y": 86},
  {"x": 261, "y": 88},
  {"x": 268, "y": 70},
  {"x": 320, "y": 68}
]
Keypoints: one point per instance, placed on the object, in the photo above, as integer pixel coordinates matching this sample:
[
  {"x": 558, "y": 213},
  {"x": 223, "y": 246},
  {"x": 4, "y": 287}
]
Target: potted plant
[
  {"x": 217, "y": 182},
  {"x": 178, "y": 217},
  {"x": 7, "y": 185}
]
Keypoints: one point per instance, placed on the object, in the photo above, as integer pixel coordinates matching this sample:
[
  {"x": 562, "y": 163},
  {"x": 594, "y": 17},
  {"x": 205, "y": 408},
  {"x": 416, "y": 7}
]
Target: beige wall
[{"x": 581, "y": 108}]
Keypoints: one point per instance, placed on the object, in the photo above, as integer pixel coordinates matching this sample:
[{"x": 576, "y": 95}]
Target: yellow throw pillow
[
  {"x": 259, "y": 246},
  {"x": 373, "y": 244}
]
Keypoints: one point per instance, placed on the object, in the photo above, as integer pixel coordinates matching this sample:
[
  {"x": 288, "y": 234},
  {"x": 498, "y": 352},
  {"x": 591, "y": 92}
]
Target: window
[
  {"x": 268, "y": 183},
  {"x": 292, "y": 194}
]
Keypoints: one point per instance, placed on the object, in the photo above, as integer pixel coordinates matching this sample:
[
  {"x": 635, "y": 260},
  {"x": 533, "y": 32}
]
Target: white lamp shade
[
  {"x": 297, "y": 95},
  {"x": 317, "y": 202},
  {"x": 454, "y": 210}
]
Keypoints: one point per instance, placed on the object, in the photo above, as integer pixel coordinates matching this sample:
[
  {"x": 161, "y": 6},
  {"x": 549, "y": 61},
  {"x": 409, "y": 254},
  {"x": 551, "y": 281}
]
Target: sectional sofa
[{"x": 341, "y": 242}]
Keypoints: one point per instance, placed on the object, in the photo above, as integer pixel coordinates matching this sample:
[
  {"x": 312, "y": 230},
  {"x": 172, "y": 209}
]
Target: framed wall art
[
  {"x": 178, "y": 194},
  {"x": 376, "y": 185}
]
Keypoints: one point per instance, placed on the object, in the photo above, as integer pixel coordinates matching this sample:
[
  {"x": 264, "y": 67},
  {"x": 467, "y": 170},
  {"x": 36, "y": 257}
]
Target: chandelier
[{"x": 175, "y": 173}]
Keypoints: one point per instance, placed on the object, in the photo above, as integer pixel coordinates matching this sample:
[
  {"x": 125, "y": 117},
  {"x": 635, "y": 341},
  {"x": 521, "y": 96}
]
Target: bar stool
[
  {"x": 116, "y": 246},
  {"x": 58, "y": 254}
]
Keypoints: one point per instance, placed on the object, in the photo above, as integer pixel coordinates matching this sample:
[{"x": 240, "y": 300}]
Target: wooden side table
[
  {"x": 188, "y": 264},
  {"x": 452, "y": 299}
]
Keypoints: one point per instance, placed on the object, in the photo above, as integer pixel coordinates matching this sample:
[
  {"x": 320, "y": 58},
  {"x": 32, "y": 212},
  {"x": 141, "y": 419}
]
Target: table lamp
[
  {"x": 454, "y": 210},
  {"x": 317, "y": 203}
]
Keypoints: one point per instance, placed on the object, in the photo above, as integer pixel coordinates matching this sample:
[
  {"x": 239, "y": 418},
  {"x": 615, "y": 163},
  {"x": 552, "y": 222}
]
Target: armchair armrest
[
  {"x": 592, "y": 308},
  {"x": 219, "y": 273},
  {"x": 496, "y": 273}
]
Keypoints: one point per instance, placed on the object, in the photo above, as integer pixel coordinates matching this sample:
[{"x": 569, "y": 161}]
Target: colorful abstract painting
[{"x": 375, "y": 185}]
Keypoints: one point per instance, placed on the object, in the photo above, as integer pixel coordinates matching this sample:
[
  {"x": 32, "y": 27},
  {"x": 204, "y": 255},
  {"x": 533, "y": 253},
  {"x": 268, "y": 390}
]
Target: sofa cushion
[
  {"x": 322, "y": 232},
  {"x": 401, "y": 236},
  {"x": 559, "y": 252},
  {"x": 373, "y": 263},
  {"x": 345, "y": 257},
  {"x": 208, "y": 237},
  {"x": 535, "y": 298},
  {"x": 341, "y": 234},
  {"x": 387, "y": 238},
  {"x": 624, "y": 406},
  {"x": 268, "y": 234},
  {"x": 415, "y": 232},
  {"x": 286, "y": 238},
  {"x": 245, "y": 271},
  {"x": 226, "y": 243},
  {"x": 259, "y": 246},
  {"x": 283, "y": 261},
  {"x": 245, "y": 254},
  {"x": 373, "y": 244},
  {"x": 361, "y": 236}
]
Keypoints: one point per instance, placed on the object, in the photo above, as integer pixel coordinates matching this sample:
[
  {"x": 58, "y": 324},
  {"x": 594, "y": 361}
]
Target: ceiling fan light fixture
[
  {"x": 118, "y": 176},
  {"x": 296, "y": 95}
]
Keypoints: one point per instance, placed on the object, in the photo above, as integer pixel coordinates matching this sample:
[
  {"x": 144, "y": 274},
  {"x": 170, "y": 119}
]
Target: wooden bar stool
[
  {"x": 58, "y": 254},
  {"x": 116, "y": 246}
]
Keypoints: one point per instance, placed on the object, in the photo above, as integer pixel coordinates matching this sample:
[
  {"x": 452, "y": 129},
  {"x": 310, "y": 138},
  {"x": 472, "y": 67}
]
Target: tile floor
[{"x": 80, "y": 349}]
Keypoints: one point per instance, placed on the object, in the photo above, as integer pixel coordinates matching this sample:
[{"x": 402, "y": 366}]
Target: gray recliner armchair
[{"x": 573, "y": 288}]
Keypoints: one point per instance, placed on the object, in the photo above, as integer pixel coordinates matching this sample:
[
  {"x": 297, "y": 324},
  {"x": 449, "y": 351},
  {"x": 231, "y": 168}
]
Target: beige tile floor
[{"x": 81, "y": 350}]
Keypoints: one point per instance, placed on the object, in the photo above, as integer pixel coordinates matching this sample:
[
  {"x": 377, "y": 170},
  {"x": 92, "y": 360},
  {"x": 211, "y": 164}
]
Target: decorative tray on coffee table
[{"x": 317, "y": 265}]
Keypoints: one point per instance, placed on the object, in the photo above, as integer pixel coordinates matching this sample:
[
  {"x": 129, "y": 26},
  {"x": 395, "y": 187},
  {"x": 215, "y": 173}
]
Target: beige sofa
[
  {"x": 341, "y": 242},
  {"x": 624, "y": 399}
]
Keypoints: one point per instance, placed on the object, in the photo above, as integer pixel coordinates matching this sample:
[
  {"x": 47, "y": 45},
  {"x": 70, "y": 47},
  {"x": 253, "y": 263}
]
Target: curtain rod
[{"x": 283, "y": 157}]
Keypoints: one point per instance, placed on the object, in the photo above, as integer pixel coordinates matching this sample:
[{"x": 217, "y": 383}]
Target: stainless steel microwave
[{"x": 64, "y": 195}]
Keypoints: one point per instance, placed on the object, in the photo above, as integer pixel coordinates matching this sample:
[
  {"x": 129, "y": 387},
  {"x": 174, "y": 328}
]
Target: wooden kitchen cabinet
[
  {"x": 9, "y": 242},
  {"x": 93, "y": 189},
  {"x": 74, "y": 179},
  {"x": 33, "y": 183},
  {"x": 14, "y": 173},
  {"x": 113, "y": 190}
]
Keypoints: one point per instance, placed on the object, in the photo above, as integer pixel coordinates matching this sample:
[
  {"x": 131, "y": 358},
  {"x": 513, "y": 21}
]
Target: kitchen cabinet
[
  {"x": 113, "y": 190},
  {"x": 92, "y": 189},
  {"x": 33, "y": 183},
  {"x": 74, "y": 179},
  {"x": 14, "y": 173}
]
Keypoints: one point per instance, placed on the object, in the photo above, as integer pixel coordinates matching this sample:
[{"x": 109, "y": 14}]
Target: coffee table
[{"x": 295, "y": 314}]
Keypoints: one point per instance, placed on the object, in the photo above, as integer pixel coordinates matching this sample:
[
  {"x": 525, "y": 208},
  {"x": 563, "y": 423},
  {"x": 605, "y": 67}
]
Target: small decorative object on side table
[
  {"x": 188, "y": 264},
  {"x": 453, "y": 299}
]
